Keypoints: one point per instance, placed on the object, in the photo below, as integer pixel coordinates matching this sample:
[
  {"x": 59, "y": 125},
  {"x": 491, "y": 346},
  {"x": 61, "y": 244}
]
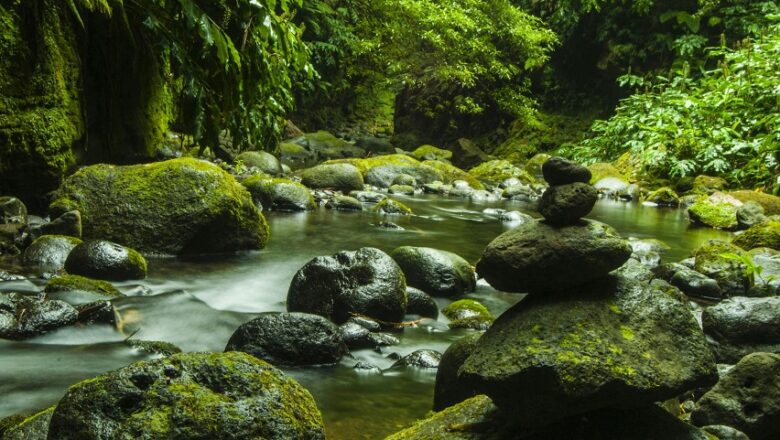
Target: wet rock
[
  {"x": 496, "y": 171},
  {"x": 565, "y": 204},
  {"x": 429, "y": 152},
  {"x": 105, "y": 261},
  {"x": 323, "y": 145},
  {"x": 420, "y": 303},
  {"x": 355, "y": 336},
  {"x": 290, "y": 339},
  {"x": 435, "y": 272},
  {"x": 719, "y": 260},
  {"x": 419, "y": 359},
  {"x": 520, "y": 193},
  {"x": 449, "y": 390},
  {"x": 344, "y": 203},
  {"x": 98, "y": 312},
  {"x": 766, "y": 235},
  {"x": 35, "y": 427},
  {"x": 392, "y": 207},
  {"x": 648, "y": 251},
  {"x": 465, "y": 192},
  {"x": 48, "y": 253},
  {"x": 404, "y": 180},
  {"x": 723, "y": 432},
  {"x": 473, "y": 419},
  {"x": 767, "y": 282},
  {"x": 613, "y": 343},
  {"x": 74, "y": 283},
  {"x": 263, "y": 161},
  {"x": 560, "y": 171},
  {"x": 24, "y": 317},
  {"x": 68, "y": 224},
  {"x": 740, "y": 326},
  {"x": 368, "y": 196},
  {"x": 340, "y": 176},
  {"x": 436, "y": 188},
  {"x": 707, "y": 184},
  {"x": 194, "y": 395},
  {"x": 12, "y": 211},
  {"x": 634, "y": 269},
  {"x": 366, "y": 282},
  {"x": 515, "y": 217},
  {"x": 159, "y": 348},
  {"x": 538, "y": 257},
  {"x": 716, "y": 211},
  {"x": 404, "y": 190},
  {"x": 467, "y": 313},
  {"x": 664, "y": 196},
  {"x": 750, "y": 214},
  {"x": 279, "y": 194},
  {"x": 746, "y": 398},
  {"x": 206, "y": 209},
  {"x": 695, "y": 284},
  {"x": 365, "y": 367}
]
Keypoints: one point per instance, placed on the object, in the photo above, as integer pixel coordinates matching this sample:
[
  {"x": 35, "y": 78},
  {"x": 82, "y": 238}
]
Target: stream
[{"x": 198, "y": 303}]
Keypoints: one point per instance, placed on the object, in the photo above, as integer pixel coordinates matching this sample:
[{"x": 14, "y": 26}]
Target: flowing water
[{"x": 197, "y": 304}]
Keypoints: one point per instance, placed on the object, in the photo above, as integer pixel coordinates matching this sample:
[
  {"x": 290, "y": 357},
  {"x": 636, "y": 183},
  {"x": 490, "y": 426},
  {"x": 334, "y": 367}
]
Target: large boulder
[
  {"x": 24, "y": 317},
  {"x": 265, "y": 162},
  {"x": 194, "y": 395},
  {"x": 717, "y": 211},
  {"x": 106, "y": 261},
  {"x": 565, "y": 204},
  {"x": 766, "y": 235},
  {"x": 293, "y": 339},
  {"x": 48, "y": 253},
  {"x": 746, "y": 398},
  {"x": 740, "y": 326},
  {"x": 205, "y": 209},
  {"x": 436, "y": 272},
  {"x": 341, "y": 176},
  {"x": 366, "y": 282},
  {"x": 279, "y": 194},
  {"x": 617, "y": 343},
  {"x": 420, "y": 303},
  {"x": 769, "y": 202},
  {"x": 536, "y": 256}
]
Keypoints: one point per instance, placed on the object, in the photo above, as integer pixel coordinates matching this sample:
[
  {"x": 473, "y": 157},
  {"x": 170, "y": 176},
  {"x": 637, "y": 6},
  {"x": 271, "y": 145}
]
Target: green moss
[
  {"x": 766, "y": 234},
  {"x": 67, "y": 283},
  {"x": 391, "y": 207},
  {"x": 603, "y": 170},
  {"x": 534, "y": 164},
  {"x": 429, "y": 152},
  {"x": 664, "y": 196},
  {"x": 497, "y": 171},
  {"x": 378, "y": 161},
  {"x": 452, "y": 173},
  {"x": 627, "y": 333},
  {"x": 708, "y": 184},
  {"x": 467, "y": 313},
  {"x": 720, "y": 215},
  {"x": 770, "y": 203},
  {"x": 269, "y": 190}
]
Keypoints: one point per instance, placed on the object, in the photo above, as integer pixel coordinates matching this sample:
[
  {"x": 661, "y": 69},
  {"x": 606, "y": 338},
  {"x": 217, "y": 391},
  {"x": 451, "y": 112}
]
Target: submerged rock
[
  {"x": 48, "y": 253},
  {"x": 194, "y": 395},
  {"x": 106, "y": 261},
  {"x": 24, "y": 317},
  {"x": 435, "y": 272},
  {"x": 206, "y": 209},
  {"x": 467, "y": 313},
  {"x": 613, "y": 343},
  {"x": 740, "y": 326},
  {"x": 537, "y": 257},
  {"x": 746, "y": 398},
  {"x": 293, "y": 339},
  {"x": 565, "y": 204},
  {"x": 366, "y": 282}
]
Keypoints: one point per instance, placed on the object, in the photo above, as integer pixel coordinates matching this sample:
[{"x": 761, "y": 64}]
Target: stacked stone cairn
[{"x": 587, "y": 339}]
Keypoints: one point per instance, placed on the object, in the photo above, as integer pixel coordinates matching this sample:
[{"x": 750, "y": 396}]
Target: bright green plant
[{"x": 750, "y": 268}]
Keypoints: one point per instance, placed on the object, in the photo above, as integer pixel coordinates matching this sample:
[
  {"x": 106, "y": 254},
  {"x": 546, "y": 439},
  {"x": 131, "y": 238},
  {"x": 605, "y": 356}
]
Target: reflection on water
[{"x": 197, "y": 304}]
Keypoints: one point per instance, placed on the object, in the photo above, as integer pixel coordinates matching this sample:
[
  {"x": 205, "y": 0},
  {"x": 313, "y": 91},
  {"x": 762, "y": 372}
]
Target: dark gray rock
[
  {"x": 12, "y": 211},
  {"x": 366, "y": 282},
  {"x": 279, "y": 194},
  {"x": 47, "y": 254},
  {"x": 189, "y": 396},
  {"x": 449, "y": 390},
  {"x": 723, "y": 432},
  {"x": 750, "y": 214},
  {"x": 559, "y": 171},
  {"x": 566, "y": 204},
  {"x": 23, "y": 317},
  {"x": 35, "y": 427},
  {"x": 694, "y": 284},
  {"x": 435, "y": 272},
  {"x": 105, "y": 261},
  {"x": 536, "y": 256},
  {"x": 290, "y": 339},
  {"x": 746, "y": 398},
  {"x": 421, "y": 304},
  {"x": 419, "y": 359},
  {"x": 68, "y": 224},
  {"x": 740, "y": 326}
]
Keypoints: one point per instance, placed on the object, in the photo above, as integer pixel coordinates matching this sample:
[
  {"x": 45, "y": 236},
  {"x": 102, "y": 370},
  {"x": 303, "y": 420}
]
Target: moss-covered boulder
[
  {"x": 366, "y": 282},
  {"x": 451, "y": 173},
  {"x": 708, "y": 184},
  {"x": 74, "y": 283},
  {"x": 344, "y": 203},
  {"x": 436, "y": 272},
  {"x": 194, "y": 395},
  {"x": 615, "y": 343},
  {"x": 206, "y": 209},
  {"x": 534, "y": 165},
  {"x": 495, "y": 172},
  {"x": 765, "y": 235},
  {"x": 663, "y": 196},
  {"x": 35, "y": 427},
  {"x": 714, "y": 211},
  {"x": 47, "y": 254},
  {"x": 467, "y": 313},
  {"x": 104, "y": 260},
  {"x": 537, "y": 257},
  {"x": 341, "y": 176},
  {"x": 600, "y": 171},
  {"x": 326, "y": 146},
  {"x": 429, "y": 152},
  {"x": 722, "y": 262},
  {"x": 265, "y": 162},
  {"x": 747, "y": 398},
  {"x": 404, "y": 190},
  {"x": 769, "y": 202},
  {"x": 292, "y": 339},
  {"x": 390, "y": 206},
  {"x": 275, "y": 194},
  {"x": 296, "y": 155}
]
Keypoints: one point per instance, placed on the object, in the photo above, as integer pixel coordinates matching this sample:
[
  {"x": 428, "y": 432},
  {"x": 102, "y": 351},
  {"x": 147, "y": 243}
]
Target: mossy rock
[
  {"x": 341, "y": 176},
  {"x": 75, "y": 283},
  {"x": 708, "y": 184},
  {"x": 391, "y": 207},
  {"x": 296, "y": 154},
  {"x": 193, "y": 395},
  {"x": 448, "y": 390},
  {"x": 664, "y": 196},
  {"x": 601, "y": 170},
  {"x": 265, "y": 162},
  {"x": 719, "y": 260},
  {"x": 327, "y": 146},
  {"x": 496, "y": 171},
  {"x": 765, "y": 234},
  {"x": 451, "y": 173},
  {"x": 713, "y": 213},
  {"x": 629, "y": 165},
  {"x": 206, "y": 209},
  {"x": 435, "y": 272},
  {"x": 429, "y": 152},
  {"x": 105, "y": 260},
  {"x": 467, "y": 313},
  {"x": 49, "y": 252},
  {"x": 770, "y": 203},
  {"x": 277, "y": 194},
  {"x": 381, "y": 171},
  {"x": 534, "y": 165},
  {"x": 35, "y": 427}
]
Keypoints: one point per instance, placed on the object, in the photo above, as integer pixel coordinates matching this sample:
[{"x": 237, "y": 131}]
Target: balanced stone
[
  {"x": 559, "y": 171},
  {"x": 617, "y": 343},
  {"x": 537, "y": 257},
  {"x": 565, "y": 204}
]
